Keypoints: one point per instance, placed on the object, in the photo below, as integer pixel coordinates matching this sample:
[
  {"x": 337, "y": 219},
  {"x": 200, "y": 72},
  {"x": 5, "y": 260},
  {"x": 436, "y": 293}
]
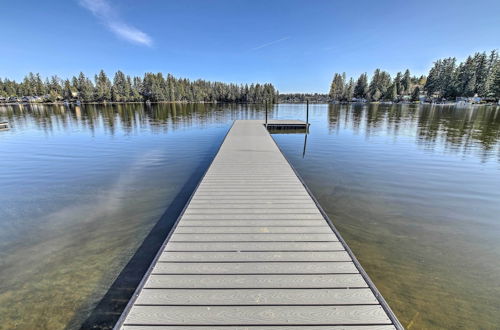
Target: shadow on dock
[{"x": 109, "y": 309}]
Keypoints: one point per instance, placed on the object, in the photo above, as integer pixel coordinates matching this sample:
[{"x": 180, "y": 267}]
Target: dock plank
[
  {"x": 276, "y": 281},
  {"x": 254, "y": 246},
  {"x": 250, "y": 230},
  {"x": 256, "y": 268},
  {"x": 255, "y": 315},
  {"x": 214, "y": 297},
  {"x": 260, "y": 237},
  {"x": 253, "y": 222},
  {"x": 280, "y": 327},
  {"x": 251, "y": 256}
]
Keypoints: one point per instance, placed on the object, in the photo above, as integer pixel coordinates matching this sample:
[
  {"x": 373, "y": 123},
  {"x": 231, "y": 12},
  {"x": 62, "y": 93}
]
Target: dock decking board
[{"x": 253, "y": 250}]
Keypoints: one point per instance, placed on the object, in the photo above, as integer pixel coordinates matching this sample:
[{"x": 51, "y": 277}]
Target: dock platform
[{"x": 253, "y": 250}]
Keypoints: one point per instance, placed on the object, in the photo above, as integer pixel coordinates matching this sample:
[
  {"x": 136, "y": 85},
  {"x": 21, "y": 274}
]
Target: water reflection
[
  {"x": 456, "y": 129},
  {"x": 128, "y": 117}
]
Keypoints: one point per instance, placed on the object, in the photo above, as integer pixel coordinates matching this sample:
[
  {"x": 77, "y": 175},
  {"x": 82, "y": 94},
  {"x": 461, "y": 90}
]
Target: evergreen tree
[
  {"x": 481, "y": 72},
  {"x": 85, "y": 88},
  {"x": 466, "y": 78},
  {"x": 495, "y": 81},
  {"x": 379, "y": 84},
  {"x": 348, "y": 91},
  {"x": 406, "y": 83},
  {"x": 392, "y": 93},
  {"x": 54, "y": 86},
  {"x": 337, "y": 87},
  {"x": 136, "y": 89},
  {"x": 102, "y": 87},
  {"x": 492, "y": 63},
  {"x": 120, "y": 90},
  {"x": 442, "y": 78},
  {"x": 397, "y": 82},
  {"x": 38, "y": 86},
  {"x": 415, "y": 95},
  {"x": 170, "y": 89},
  {"x": 361, "y": 88}
]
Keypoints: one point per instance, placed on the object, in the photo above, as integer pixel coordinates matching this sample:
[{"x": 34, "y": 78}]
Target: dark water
[{"x": 414, "y": 190}]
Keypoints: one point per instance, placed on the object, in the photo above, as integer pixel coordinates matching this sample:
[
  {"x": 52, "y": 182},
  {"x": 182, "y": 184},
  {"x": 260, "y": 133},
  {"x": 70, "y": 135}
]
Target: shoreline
[{"x": 311, "y": 102}]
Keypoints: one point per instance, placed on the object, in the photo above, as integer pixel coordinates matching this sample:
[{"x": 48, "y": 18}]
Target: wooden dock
[{"x": 254, "y": 250}]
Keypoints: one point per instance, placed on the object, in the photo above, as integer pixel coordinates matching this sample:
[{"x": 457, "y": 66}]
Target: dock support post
[
  {"x": 307, "y": 116},
  {"x": 266, "y": 113}
]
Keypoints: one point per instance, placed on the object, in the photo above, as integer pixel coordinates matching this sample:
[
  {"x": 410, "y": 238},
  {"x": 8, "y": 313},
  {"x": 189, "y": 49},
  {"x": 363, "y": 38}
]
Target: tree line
[
  {"x": 303, "y": 97},
  {"x": 152, "y": 87},
  {"x": 478, "y": 75}
]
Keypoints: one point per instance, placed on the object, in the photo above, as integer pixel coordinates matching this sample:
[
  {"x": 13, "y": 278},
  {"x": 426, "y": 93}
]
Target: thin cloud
[
  {"x": 110, "y": 18},
  {"x": 270, "y": 43}
]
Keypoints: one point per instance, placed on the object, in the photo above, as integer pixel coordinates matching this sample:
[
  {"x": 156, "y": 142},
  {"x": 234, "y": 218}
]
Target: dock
[{"x": 253, "y": 249}]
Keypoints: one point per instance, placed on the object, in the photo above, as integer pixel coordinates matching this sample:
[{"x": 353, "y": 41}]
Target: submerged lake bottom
[{"x": 89, "y": 194}]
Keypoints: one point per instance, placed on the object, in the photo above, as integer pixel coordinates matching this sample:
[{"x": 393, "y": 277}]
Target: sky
[{"x": 295, "y": 44}]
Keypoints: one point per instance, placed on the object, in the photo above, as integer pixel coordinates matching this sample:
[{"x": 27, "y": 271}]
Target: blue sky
[{"x": 296, "y": 45}]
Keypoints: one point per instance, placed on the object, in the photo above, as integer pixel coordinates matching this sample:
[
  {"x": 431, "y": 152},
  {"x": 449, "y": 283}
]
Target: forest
[
  {"x": 153, "y": 87},
  {"x": 477, "y": 76}
]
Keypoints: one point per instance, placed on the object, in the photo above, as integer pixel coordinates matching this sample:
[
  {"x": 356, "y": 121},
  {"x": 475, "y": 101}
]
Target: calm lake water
[{"x": 88, "y": 194}]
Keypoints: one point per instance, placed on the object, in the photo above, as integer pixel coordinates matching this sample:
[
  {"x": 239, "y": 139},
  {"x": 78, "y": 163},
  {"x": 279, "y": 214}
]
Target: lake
[{"x": 89, "y": 193}]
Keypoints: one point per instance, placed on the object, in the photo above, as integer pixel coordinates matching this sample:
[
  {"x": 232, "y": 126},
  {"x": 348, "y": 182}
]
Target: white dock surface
[{"x": 253, "y": 251}]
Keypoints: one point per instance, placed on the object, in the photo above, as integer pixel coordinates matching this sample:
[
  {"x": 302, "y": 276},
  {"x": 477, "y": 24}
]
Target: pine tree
[
  {"x": 39, "y": 87},
  {"x": 361, "y": 88},
  {"x": 84, "y": 87},
  {"x": 55, "y": 85},
  {"x": 171, "y": 90},
  {"x": 415, "y": 95},
  {"x": 495, "y": 81},
  {"x": 397, "y": 82},
  {"x": 102, "y": 87},
  {"x": 442, "y": 79},
  {"x": 136, "y": 89},
  {"x": 466, "y": 78},
  {"x": 379, "y": 84},
  {"x": 337, "y": 87},
  {"x": 68, "y": 90},
  {"x": 481, "y": 73},
  {"x": 119, "y": 89},
  {"x": 392, "y": 93},
  {"x": 348, "y": 91},
  {"x": 406, "y": 83}
]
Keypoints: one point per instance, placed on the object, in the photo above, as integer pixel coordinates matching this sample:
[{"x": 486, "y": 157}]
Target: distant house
[{"x": 472, "y": 100}]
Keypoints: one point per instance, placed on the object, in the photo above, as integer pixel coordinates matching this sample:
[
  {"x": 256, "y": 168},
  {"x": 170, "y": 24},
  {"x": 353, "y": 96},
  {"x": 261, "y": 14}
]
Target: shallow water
[{"x": 414, "y": 190}]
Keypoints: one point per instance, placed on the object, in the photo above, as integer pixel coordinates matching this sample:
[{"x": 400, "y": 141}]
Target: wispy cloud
[
  {"x": 271, "y": 43},
  {"x": 110, "y": 18}
]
